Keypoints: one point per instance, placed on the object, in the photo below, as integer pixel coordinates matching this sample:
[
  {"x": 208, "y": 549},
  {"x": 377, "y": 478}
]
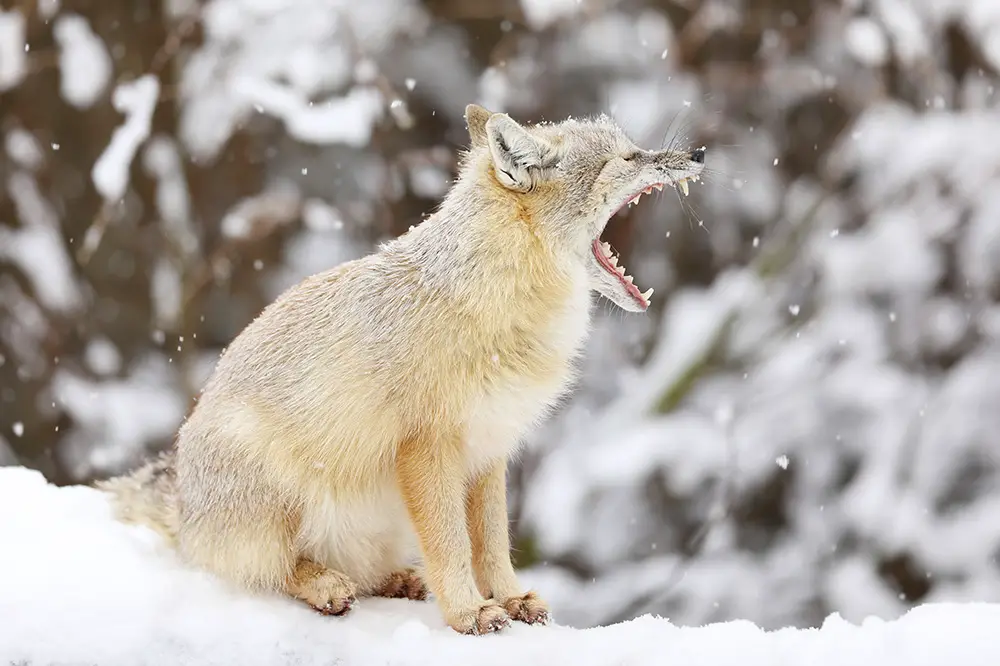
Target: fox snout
[{"x": 698, "y": 155}]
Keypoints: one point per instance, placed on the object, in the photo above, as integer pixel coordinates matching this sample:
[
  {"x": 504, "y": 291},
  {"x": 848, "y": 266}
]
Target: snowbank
[{"x": 77, "y": 587}]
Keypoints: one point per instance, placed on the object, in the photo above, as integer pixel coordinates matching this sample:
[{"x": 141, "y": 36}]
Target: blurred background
[{"x": 808, "y": 419}]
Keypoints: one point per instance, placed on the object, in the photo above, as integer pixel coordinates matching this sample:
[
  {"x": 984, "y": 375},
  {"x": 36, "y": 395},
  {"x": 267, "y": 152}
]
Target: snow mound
[{"x": 77, "y": 587}]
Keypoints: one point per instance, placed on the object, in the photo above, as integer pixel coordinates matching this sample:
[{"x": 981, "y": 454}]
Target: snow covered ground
[{"x": 76, "y": 587}]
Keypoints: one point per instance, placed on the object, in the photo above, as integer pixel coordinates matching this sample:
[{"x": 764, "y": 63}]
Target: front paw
[
  {"x": 527, "y": 608},
  {"x": 487, "y": 618}
]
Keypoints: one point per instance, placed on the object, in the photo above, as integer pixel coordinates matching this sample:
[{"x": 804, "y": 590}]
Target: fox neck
[{"x": 485, "y": 248}]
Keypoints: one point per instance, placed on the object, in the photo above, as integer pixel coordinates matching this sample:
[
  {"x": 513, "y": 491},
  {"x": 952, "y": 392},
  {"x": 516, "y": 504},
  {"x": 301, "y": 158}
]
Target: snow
[
  {"x": 37, "y": 247},
  {"x": 429, "y": 181},
  {"x": 856, "y": 263},
  {"x": 13, "y": 51},
  {"x": 84, "y": 62},
  {"x": 23, "y": 148},
  {"x": 137, "y": 100},
  {"x": 320, "y": 216},
  {"x": 251, "y": 217},
  {"x": 347, "y": 120},
  {"x": 125, "y": 414},
  {"x": 166, "y": 294},
  {"x": 83, "y": 588},
  {"x": 162, "y": 160},
  {"x": 867, "y": 42},
  {"x": 48, "y": 8},
  {"x": 908, "y": 28},
  {"x": 540, "y": 14},
  {"x": 102, "y": 357},
  {"x": 303, "y": 78}
]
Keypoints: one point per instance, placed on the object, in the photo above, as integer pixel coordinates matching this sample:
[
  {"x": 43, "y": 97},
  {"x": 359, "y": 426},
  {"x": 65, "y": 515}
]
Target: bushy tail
[{"x": 148, "y": 496}]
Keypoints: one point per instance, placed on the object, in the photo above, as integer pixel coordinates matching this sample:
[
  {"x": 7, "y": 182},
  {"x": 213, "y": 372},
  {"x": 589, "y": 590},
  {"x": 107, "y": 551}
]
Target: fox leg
[
  {"x": 237, "y": 527},
  {"x": 243, "y": 530},
  {"x": 329, "y": 592},
  {"x": 403, "y": 584},
  {"x": 430, "y": 470},
  {"x": 260, "y": 554},
  {"x": 486, "y": 510}
]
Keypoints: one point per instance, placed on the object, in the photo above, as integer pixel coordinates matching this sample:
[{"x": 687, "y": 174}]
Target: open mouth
[{"x": 607, "y": 258}]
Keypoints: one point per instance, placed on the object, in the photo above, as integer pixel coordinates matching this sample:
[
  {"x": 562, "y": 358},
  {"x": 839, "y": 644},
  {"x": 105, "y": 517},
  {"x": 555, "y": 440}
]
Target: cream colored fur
[{"x": 363, "y": 422}]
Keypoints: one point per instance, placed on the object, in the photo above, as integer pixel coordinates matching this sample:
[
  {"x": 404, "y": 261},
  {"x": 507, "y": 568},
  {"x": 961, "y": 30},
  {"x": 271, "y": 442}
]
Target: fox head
[{"x": 573, "y": 177}]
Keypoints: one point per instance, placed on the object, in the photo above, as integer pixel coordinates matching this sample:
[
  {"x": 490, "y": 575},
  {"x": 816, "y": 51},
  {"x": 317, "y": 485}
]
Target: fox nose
[{"x": 698, "y": 156}]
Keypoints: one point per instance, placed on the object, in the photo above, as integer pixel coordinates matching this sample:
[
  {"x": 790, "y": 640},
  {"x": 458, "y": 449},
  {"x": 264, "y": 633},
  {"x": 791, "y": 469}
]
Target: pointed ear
[
  {"x": 476, "y": 117},
  {"x": 518, "y": 157}
]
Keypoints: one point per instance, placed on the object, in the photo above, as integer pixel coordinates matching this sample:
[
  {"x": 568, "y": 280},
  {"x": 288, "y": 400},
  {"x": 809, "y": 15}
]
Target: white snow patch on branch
[
  {"x": 137, "y": 100},
  {"x": 37, "y": 246},
  {"x": 866, "y": 41},
  {"x": 13, "y": 55},
  {"x": 347, "y": 120},
  {"x": 83, "y": 588},
  {"x": 48, "y": 8},
  {"x": 162, "y": 160},
  {"x": 540, "y": 14},
  {"x": 167, "y": 294},
  {"x": 23, "y": 148},
  {"x": 84, "y": 62},
  {"x": 124, "y": 414}
]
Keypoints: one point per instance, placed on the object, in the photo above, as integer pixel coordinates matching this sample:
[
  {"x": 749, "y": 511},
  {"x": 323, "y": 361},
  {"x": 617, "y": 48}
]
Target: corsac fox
[{"x": 353, "y": 439}]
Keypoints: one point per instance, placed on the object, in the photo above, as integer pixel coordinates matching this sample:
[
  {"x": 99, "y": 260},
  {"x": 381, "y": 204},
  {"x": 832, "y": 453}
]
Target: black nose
[{"x": 698, "y": 156}]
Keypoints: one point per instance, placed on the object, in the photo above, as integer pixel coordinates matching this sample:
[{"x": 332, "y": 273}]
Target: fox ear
[
  {"x": 518, "y": 157},
  {"x": 476, "y": 117}
]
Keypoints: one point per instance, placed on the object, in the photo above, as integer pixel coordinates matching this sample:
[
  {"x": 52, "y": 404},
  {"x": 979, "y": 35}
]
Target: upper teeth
[
  {"x": 683, "y": 183},
  {"x": 648, "y": 190}
]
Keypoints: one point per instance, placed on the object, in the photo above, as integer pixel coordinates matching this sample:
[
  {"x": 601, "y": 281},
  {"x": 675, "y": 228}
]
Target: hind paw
[
  {"x": 405, "y": 584},
  {"x": 329, "y": 592}
]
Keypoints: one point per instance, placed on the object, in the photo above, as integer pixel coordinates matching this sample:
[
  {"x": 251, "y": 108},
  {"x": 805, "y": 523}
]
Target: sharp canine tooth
[
  {"x": 647, "y": 294},
  {"x": 648, "y": 190},
  {"x": 683, "y": 184},
  {"x": 659, "y": 187}
]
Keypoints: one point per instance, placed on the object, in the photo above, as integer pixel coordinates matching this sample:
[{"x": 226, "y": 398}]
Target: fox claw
[{"x": 337, "y": 607}]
